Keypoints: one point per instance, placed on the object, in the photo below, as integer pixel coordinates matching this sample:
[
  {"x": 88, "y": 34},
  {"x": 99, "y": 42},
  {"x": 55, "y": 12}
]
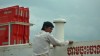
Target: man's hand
[{"x": 70, "y": 42}]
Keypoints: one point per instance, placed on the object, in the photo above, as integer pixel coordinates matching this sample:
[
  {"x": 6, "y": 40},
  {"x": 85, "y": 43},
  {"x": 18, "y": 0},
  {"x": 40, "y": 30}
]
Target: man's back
[{"x": 41, "y": 43}]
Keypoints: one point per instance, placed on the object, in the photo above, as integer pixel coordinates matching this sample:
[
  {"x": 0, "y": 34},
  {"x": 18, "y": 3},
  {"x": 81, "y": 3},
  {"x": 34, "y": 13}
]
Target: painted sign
[
  {"x": 84, "y": 48},
  {"x": 93, "y": 49}
]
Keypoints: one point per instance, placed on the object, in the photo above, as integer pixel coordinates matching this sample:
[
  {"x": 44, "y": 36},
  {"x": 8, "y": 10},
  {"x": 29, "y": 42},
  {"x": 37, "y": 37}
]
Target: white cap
[{"x": 60, "y": 20}]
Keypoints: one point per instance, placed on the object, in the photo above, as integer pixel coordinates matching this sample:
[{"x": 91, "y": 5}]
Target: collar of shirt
[{"x": 42, "y": 31}]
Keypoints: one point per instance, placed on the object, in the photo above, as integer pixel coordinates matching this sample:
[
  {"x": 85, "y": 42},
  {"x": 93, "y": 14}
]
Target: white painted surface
[
  {"x": 26, "y": 49},
  {"x": 63, "y": 51},
  {"x": 16, "y": 50}
]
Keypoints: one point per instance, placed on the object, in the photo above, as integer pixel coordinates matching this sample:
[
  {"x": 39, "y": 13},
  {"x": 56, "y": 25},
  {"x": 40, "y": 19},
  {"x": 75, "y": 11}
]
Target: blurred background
[{"x": 82, "y": 16}]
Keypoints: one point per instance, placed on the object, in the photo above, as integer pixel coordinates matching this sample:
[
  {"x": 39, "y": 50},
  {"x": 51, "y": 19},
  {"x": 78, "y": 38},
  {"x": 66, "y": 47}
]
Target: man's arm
[{"x": 56, "y": 42}]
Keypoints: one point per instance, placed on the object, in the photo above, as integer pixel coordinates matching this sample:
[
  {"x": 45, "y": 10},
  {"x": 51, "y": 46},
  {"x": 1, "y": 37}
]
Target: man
[{"x": 42, "y": 41}]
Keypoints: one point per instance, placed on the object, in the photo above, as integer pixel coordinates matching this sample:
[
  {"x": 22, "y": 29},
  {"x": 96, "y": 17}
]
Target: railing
[{"x": 9, "y": 27}]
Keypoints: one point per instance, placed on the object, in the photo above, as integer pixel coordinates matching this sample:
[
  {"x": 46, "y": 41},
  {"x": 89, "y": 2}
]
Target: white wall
[
  {"x": 91, "y": 48},
  {"x": 26, "y": 49},
  {"x": 16, "y": 50}
]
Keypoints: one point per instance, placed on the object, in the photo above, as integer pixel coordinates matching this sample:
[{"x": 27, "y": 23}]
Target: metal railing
[{"x": 9, "y": 27}]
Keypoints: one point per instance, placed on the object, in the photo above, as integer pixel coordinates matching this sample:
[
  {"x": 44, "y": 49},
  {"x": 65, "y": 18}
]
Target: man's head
[{"x": 47, "y": 26}]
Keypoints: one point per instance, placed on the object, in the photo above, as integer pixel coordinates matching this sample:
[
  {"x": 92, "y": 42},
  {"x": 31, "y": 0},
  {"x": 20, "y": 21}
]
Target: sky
[{"x": 82, "y": 16}]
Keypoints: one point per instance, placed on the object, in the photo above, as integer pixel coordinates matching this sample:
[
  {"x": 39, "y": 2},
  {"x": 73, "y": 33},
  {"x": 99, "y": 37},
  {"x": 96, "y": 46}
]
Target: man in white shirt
[{"x": 42, "y": 41}]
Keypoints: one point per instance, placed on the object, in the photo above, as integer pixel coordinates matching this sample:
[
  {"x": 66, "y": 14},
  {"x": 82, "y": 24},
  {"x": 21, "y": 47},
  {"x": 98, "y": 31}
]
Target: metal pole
[{"x": 9, "y": 33}]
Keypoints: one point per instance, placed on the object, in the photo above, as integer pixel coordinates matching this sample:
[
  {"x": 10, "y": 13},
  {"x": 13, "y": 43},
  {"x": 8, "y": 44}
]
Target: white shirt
[{"x": 41, "y": 43}]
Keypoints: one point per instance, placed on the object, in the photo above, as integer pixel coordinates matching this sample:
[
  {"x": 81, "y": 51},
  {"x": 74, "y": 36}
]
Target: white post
[{"x": 59, "y": 28}]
